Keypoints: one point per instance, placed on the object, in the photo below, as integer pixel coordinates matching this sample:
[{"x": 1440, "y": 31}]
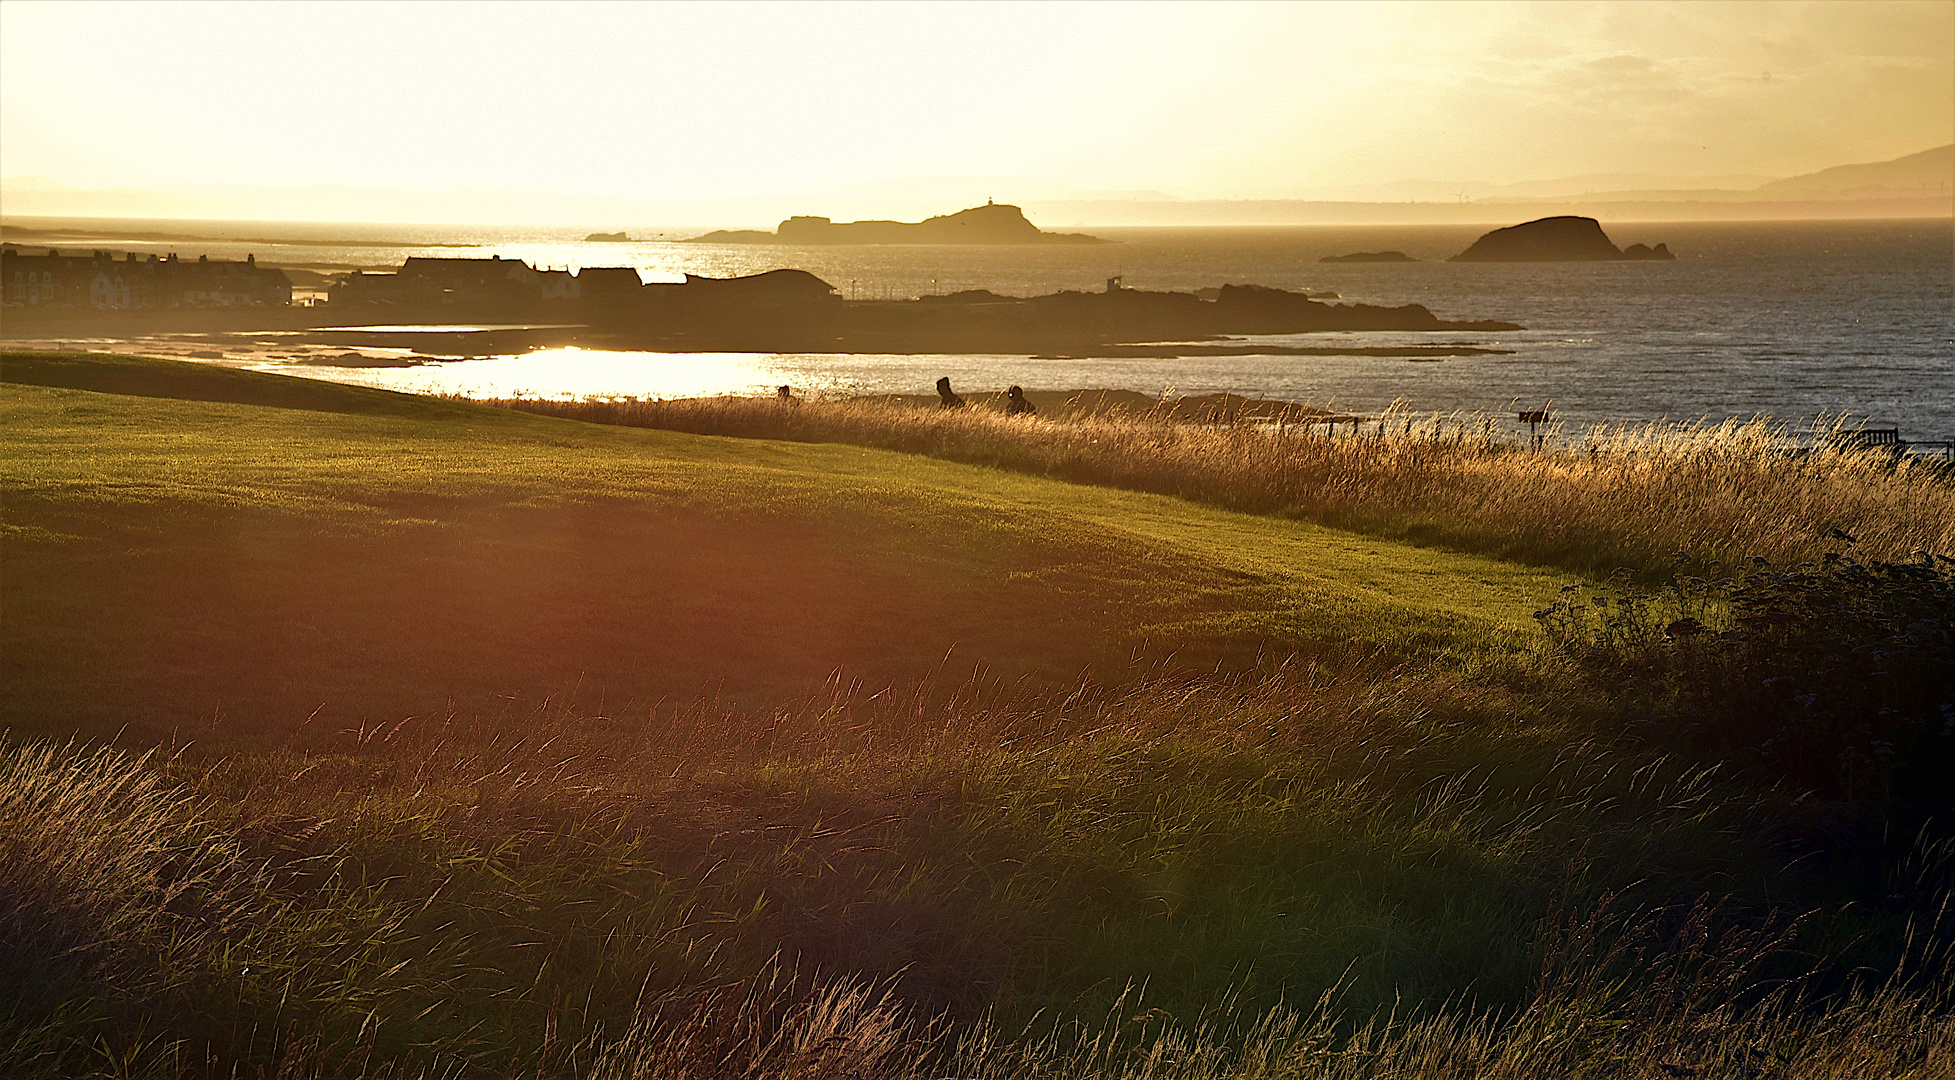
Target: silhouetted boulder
[
  {"x": 1554, "y": 239},
  {"x": 1368, "y": 257}
]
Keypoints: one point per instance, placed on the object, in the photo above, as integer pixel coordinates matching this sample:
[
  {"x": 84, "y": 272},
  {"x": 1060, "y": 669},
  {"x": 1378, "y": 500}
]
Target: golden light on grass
[{"x": 1614, "y": 495}]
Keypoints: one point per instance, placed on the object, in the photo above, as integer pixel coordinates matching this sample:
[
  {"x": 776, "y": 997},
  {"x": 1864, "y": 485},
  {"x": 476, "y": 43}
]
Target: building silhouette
[{"x": 102, "y": 281}]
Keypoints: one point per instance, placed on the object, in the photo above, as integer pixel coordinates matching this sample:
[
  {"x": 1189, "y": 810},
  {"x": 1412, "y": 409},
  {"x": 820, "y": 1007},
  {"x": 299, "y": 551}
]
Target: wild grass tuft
[{"x": 112, "y": 891}]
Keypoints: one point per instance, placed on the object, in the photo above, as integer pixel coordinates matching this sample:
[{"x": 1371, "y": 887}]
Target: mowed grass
[{"x": 175, "y": 562}]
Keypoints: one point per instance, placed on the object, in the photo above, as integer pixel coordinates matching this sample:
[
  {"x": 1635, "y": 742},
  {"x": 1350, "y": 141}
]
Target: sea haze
[{"x": 1790, "y": 320}]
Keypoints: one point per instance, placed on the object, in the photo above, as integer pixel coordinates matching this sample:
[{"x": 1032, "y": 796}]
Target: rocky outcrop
[
  {"x": 992, "y": 223},
  {"x": 1369, "y": 257},
  {"x": 1554, "y": 239},
  {"x": 1258, "y": 309}
]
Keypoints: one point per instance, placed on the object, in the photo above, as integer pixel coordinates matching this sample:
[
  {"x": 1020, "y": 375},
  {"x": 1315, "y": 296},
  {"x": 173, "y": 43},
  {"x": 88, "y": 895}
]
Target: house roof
[
  {"x": 616, "y": 277},
  {"x": 773, "y": 283},
  {"x": 461, "y": 269}
]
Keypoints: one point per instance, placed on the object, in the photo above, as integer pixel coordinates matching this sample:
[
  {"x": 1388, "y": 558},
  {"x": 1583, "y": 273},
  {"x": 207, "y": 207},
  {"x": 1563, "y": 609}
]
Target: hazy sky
[{"x": 686, "y": 100}]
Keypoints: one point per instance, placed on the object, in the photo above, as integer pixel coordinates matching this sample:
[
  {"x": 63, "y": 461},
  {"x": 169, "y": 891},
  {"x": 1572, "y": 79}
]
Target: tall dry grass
[
  {"x": 811, "y": 890},
  {"x": 1603, "y": 498},
  {"x": 106, "y": 870},
  {"x": 1618, "y": 997}
]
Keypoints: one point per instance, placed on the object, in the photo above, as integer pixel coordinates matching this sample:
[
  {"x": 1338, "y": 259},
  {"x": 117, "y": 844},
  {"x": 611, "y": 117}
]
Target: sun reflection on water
[{"x": 571, "y": 373}]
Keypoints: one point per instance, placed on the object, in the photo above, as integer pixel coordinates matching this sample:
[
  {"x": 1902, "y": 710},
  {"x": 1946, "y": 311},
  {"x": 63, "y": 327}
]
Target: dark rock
[
  {"x": 1554, "y": 239},
  {"x": 1642, "y": 251},
  {"x": 1258, "y": 309},
  {"x": 1369, "y": 256}
]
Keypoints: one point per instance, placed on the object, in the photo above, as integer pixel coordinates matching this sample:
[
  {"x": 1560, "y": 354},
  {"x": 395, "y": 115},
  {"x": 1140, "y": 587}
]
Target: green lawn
[{"x": 295, "y": 546}]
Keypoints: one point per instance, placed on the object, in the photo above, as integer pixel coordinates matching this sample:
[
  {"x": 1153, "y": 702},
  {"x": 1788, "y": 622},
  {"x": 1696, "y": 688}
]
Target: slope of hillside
[
  {"x": 174, "y": 561},
  {"x": 1930, "y": 172},
  {"x": 474, "y": 742}
]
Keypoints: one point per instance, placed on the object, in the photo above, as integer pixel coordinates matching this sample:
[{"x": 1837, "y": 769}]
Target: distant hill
[
  {"x": 1931, "y": 172},
  {"x": 992, "y": 223},
  {"x": 1918, "y": 185},
  {"x": 1562, "y": 188}
]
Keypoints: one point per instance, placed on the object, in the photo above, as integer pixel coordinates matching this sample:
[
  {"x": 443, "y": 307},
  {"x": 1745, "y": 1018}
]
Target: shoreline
[{"x": 314, "y": 335}]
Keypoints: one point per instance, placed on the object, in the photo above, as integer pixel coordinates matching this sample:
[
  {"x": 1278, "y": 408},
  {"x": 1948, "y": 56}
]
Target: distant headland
[
  {"x": 1555, "y": 239},
  {"x": 992, "y": 223},
  {"x": 1369, "y": 257}
]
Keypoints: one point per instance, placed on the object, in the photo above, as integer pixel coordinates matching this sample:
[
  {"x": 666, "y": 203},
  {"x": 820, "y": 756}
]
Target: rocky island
[
  {"x": 992, "y": 223},
  {"x": 1369, "y": 257},
  {"x": 1555, "y": 239},
  {"x": 607, "y": 238}
]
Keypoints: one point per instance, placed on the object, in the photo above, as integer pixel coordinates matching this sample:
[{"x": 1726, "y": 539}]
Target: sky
[{"x": 1211, "y": 100}]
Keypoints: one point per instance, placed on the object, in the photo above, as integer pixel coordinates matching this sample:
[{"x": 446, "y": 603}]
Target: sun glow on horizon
[{"x": 1207, "y": 101}]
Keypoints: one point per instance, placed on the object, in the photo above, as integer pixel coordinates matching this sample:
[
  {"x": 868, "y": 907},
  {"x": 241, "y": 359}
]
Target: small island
[
  {"x": 992, "y": 223},
  {"x": 1369, "y": 257},
  {"x": 607, "y": 238},
  {"x": 1555, "y": 239}
]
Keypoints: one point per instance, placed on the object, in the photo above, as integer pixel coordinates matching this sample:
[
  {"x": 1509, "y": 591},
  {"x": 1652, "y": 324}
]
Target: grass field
[
  {"x": 1593, "y": 501},
  {"x": 382, "y": 556},
  {"x": 360, "y": 734}
]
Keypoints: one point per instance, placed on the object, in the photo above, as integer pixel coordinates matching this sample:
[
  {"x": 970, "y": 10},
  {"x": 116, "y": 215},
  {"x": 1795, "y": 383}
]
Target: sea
[{"x": 1802, "y": 322}]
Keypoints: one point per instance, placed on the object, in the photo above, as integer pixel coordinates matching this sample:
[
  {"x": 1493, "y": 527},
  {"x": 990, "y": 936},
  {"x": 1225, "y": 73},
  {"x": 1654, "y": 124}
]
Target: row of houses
[
  {"x": 100, "y": 280},
  {"x": 512, "y": 284},
  {"x": 495, "y": 280}
]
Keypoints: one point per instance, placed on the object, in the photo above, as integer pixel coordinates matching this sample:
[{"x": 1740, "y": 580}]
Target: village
[
  {"x": 102, "y": 281},
  {"x": 512, "y": 284},
  {"x": 111, "y": 281}
]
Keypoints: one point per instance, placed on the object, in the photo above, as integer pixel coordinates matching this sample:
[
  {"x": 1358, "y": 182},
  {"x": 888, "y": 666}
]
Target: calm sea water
[{"x": 1790, "y": 320}]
